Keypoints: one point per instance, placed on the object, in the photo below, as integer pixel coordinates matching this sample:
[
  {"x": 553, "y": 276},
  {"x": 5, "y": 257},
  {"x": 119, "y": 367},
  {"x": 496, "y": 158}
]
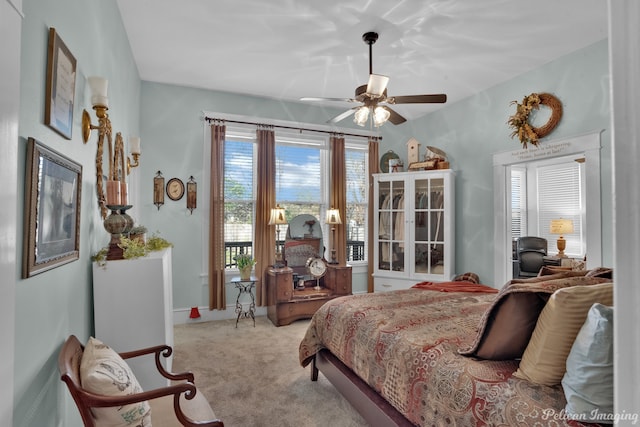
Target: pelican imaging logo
[{"x": 593, "y": 416}]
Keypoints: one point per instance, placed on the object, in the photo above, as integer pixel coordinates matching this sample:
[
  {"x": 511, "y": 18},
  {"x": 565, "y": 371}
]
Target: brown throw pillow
[{"x": 506, "y": 327}]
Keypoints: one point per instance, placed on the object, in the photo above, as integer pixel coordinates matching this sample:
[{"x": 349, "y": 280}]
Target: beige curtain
[
  {"x": 373, "y": 168},
  {"x": 217, "y": 297},
  {"x": 265, "y": 240},
  {"x": 338, "y": 195}
]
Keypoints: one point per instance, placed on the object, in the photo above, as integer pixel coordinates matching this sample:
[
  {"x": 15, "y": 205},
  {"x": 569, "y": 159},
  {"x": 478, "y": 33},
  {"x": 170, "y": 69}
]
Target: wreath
[{"x": 526, "y": 133}]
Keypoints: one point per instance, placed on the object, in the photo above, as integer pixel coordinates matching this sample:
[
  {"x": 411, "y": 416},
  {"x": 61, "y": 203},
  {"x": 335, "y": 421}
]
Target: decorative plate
[{"x": 384, "y": 161}]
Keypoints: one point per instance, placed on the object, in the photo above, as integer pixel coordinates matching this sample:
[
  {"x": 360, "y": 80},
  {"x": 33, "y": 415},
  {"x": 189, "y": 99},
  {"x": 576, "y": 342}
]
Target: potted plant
[
  {"x": 245, "y": 263},
  {"x": 138, "y": 233}
]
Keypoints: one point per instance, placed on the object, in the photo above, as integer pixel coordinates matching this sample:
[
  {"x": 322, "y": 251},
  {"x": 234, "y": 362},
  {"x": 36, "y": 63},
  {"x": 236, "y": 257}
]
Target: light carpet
[{"x": 252, "y": 377}]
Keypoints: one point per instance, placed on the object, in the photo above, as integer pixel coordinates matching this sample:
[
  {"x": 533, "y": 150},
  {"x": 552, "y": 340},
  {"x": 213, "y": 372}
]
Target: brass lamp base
[{"x": 562, "y": 244}]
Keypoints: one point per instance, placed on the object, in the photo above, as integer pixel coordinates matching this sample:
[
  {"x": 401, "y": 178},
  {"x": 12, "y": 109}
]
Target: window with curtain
[{"x": 302, "y": 182}]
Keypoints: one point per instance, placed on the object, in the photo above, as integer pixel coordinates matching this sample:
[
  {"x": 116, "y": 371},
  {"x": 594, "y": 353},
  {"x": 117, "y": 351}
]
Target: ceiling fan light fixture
[
  {"x": 361, "y": 115},
  {"x": 380, "y": 116},
  {"x": 377, "y": 85}
]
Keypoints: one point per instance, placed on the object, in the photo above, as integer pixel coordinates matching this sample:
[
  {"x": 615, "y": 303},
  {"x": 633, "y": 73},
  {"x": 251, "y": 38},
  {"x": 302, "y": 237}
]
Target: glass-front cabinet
[{"x": 414, "y": 228}]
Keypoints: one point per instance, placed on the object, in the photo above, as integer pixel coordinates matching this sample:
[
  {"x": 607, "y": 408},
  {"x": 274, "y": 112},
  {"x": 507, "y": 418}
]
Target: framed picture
[
  {"x": 61, "y": 86},
  {"x": 52, "y": 210}
]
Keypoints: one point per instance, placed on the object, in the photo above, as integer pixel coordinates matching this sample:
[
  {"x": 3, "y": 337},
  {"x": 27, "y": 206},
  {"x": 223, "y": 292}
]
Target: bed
[{"x": 411, "y": 357}]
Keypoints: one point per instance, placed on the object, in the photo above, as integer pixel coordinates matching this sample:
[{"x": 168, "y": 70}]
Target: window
[
  {"x": 546, "y": 190},
  {"x": 238, "y": 195},
  {"x": 302, "y": 183},
  {"x": 356, "y": 157}
]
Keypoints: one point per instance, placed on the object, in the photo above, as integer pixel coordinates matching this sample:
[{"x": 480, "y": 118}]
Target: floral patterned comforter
[{"x": 405, "y": 344}]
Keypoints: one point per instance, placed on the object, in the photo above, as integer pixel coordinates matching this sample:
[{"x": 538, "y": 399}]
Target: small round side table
[{"x": 245, "y": 287}]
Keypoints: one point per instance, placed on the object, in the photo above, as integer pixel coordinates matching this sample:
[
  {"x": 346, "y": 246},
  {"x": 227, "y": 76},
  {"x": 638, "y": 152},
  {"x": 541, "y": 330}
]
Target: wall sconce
[
  {"x": 158, "y": 190},
  {"x": 192, "y": 192},
  {"x": 278, "y": 217},
  {"x": 561, "y": 226},
  {"x": 100, "y": 102},
  {"x": 134, "y": 146},
  {"x": 333, "y": 218}
]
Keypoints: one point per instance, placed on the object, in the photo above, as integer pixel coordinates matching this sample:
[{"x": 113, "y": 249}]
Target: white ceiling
[{"x": 288, "y": 49}]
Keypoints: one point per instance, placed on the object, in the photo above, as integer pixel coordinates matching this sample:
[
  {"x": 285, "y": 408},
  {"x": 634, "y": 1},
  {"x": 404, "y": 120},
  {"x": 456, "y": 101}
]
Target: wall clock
[{"x": 175, "y": 189}]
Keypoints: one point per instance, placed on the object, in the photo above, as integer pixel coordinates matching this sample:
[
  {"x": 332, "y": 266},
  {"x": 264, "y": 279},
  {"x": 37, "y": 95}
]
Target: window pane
[
  {"x": 238, "y": 194},
  {"x": 298, "y": 182},
  {"x": 560, "y": 196},
  {"x": 356, "y": 212}
]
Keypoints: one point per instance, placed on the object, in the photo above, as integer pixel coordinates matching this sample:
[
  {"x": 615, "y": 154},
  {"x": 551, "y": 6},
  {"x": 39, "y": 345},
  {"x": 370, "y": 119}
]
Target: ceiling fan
[{"x": 374, "y": 99}]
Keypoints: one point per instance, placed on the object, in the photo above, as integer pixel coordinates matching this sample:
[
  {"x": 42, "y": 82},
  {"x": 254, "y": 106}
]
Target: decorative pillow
[
  {"x": 544, "y": 360},
  {"x": 103, "y": 371},
  {"x": 547, "y": 270},
  {"x": 588, "y": 382},
  {"x": 506, "y": 327},
  {"x": 601, "y": 272},
  {"x": 467, "y": 277}
]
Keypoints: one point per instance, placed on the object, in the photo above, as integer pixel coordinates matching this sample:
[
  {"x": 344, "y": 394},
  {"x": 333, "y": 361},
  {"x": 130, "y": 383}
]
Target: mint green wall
[
  {"x": 472, "y": 130},
  {"x": 172, "y": 139},
  {"x": 52, "y": 305}
]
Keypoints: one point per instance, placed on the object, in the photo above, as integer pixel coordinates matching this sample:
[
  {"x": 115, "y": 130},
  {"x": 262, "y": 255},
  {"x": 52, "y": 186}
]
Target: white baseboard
[{"x": 181, "y": 315}]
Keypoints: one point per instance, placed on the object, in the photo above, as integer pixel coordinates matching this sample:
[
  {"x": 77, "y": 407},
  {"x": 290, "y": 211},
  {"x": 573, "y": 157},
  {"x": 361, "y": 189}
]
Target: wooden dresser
[{"x": 286, "y": 303}]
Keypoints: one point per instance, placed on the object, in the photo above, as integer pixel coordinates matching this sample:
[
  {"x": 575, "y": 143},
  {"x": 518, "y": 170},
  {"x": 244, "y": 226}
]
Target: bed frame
[{"x": 373, "y": 407}]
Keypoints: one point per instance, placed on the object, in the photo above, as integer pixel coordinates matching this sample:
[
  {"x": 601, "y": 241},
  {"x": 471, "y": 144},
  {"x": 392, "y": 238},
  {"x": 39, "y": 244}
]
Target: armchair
[
  {"x": 178, "y": 404},
  {"x": 530, "y": 254}
]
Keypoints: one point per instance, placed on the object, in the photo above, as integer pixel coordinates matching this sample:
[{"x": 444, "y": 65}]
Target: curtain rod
[{"x": 377, "y": 138}]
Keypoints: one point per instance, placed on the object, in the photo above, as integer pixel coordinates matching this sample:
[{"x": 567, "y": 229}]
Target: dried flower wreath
[{"x": 526, "y": 133}]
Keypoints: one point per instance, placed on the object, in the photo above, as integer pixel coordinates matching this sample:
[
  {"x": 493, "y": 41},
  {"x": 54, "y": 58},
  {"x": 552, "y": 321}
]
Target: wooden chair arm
[
  {"x": 159, "y": 350},
  {"x": 189, "y": 390}
]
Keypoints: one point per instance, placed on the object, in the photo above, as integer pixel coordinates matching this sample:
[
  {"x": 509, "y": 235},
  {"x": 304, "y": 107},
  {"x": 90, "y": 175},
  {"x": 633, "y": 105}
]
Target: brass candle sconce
[
  {"x": 192, "y": 191},
  {"x": 158, "y": 190}
]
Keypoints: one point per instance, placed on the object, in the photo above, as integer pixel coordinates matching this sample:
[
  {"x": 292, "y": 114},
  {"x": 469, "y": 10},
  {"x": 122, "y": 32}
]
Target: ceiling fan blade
[
  {"x": 307, "y": 98},
  {"x": 394, "y": 117},
  {"x": 342, "y": 116},
  {"x": 377, "y": 84},
  {"x": 418, "y": 99}
]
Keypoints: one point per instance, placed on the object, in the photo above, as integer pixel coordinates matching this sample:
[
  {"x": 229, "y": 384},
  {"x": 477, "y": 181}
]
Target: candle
[
  {"x": 123, "y": 193},
  {"x": 134, "y": 142},
  {"x": 113, "y": 193}
]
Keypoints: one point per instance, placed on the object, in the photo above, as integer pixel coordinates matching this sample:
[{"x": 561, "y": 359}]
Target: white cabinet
[
  {"x": 414, "y": 228},
  {"x": 133, "y": 309}
]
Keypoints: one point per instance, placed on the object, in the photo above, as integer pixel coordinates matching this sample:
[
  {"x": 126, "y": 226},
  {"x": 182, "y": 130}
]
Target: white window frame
[{"x": 587, "y": 145}]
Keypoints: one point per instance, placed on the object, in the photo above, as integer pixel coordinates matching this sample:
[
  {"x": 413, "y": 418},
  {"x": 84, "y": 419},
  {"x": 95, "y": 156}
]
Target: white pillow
[
  {"x": 588, "y": 382},
  {"x": 103, "y": 371}
]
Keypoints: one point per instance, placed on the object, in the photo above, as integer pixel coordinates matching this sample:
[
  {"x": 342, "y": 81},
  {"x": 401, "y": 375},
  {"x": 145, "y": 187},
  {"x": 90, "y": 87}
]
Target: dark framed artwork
[
  {"x": 61, "y": 86},
  {"x": 52, "y": 210}
]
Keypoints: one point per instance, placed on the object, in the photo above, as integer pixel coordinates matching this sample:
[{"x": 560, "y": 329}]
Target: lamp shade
[
  {"x": 333, "y": 217},
  {"x": 134, "y": 143},
  {"x": 377, "y": 84},
  {"x": 277, "y": 216},
  {"x": 380, "y": 116},
  {"x": 361, "y": 115},
  {"x": 98, "y": 86},
  {"x": 561, "y": 226}
]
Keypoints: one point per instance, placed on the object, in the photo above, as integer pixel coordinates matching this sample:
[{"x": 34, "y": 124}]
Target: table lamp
[
  {"x": 278, "y": 217},
  {"x": 561, "y": 226},
  {"x": 333, "y": 218}
]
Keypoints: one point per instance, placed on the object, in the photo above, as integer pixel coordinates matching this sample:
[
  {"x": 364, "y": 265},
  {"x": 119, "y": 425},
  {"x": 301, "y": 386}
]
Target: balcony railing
[{"x": 355, "y": 251}]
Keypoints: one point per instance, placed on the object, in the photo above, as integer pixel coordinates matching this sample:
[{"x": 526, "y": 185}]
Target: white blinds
[{"x": 561, "y": 196}]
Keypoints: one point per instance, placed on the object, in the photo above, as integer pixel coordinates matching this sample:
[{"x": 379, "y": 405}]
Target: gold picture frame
[
  {"x": 61, "y": 86},
  {"x": 52, "y": 210}
]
